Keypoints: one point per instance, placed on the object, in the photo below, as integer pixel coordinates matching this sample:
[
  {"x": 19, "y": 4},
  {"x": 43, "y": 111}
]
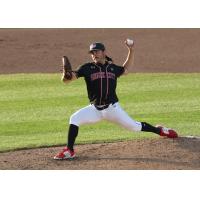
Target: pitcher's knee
[
  {"x": 136, "y": 126},
  {"x": 74, "y": 120}
]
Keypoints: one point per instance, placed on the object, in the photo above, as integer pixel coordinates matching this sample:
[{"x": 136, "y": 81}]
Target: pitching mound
[{"x": 181, "y": 153}]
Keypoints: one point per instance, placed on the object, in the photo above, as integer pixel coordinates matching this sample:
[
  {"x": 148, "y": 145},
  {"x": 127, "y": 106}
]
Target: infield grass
[{"x": 35, "y": 108}]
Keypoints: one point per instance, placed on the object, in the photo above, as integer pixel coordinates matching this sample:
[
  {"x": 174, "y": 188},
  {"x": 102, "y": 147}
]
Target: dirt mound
[{"x": 181, "y": 153}]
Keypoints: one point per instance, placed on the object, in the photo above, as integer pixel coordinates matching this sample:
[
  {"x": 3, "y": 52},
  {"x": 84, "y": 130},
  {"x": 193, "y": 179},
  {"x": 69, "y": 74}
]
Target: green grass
[{"x": 35, "y": 108}]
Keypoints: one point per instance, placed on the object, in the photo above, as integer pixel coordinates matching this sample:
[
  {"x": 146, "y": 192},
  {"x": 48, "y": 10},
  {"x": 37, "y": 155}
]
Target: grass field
[{"x": 35, "y": 108}]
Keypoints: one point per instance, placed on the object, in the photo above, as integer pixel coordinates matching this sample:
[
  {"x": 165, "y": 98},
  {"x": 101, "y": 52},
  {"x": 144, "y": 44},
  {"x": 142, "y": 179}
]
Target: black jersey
[{"x": 101, "y": 81}]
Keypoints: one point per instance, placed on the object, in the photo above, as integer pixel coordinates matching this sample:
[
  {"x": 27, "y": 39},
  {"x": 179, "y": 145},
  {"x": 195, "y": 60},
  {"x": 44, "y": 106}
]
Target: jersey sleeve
[
  {"x": 119, "y": 70},
  {"x": 80, "y": 72}
]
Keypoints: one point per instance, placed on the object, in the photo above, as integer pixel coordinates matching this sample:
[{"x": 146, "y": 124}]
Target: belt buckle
[{"x": 102, "y": 107}]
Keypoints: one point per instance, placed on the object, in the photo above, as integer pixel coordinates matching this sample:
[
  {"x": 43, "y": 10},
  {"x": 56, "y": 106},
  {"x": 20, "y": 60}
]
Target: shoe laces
[
  {"x": 165, "y": 130},
  {"x": 63, "y": 151}
]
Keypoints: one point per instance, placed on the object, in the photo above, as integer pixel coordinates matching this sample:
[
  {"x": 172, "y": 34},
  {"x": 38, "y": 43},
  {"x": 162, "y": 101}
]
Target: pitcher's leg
[
  {"x": 117, "y": 115},
  {"x": 83, "y": 116},
  {"x": 86, "y": 115},
  {"x": 149, "y": 128},
  {"x": 72, "y": 134}
]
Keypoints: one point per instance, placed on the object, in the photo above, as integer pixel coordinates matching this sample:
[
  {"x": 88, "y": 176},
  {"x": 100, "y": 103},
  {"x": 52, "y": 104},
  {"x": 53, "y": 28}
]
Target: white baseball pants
[{"x": 114, "y": 113}]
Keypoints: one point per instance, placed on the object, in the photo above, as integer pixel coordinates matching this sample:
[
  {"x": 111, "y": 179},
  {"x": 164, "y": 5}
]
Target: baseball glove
[{"x": 67, "y": 68}]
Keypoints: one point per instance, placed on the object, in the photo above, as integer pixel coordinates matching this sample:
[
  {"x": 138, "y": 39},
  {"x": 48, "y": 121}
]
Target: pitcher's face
[{"x": 98, "y": 56}]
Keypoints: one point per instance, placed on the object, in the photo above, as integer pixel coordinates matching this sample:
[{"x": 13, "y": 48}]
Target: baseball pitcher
[{"x": 100, "y": 77}]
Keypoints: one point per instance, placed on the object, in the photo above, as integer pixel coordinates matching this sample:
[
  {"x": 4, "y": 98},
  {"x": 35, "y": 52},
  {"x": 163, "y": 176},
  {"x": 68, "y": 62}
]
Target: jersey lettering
[
  {"x": 99, "y": 75},
  {"x": 111, "y": 75}
]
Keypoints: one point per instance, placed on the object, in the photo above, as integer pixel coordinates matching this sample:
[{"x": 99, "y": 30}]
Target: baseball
[{"x": 129, "y": 41}]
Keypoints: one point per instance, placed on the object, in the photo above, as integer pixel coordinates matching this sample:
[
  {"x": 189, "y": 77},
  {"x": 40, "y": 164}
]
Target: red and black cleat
[
  {"x": 65, "y": 154},
  {"x": 167, "y": 132}
]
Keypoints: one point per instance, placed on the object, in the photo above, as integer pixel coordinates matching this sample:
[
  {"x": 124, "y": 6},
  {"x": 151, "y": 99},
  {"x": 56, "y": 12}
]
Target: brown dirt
[
  {"x": 157, "y": 50},
  {"x": 181, "y": 153}
]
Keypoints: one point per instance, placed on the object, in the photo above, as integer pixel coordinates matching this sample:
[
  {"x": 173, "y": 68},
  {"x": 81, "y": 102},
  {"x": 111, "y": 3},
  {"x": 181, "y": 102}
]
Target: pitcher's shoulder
[{"x": 87, "y": 64}]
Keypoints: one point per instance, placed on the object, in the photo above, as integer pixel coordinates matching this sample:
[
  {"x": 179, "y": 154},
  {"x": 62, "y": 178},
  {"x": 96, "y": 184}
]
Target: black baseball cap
[{"x": 96, "y": 46}]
